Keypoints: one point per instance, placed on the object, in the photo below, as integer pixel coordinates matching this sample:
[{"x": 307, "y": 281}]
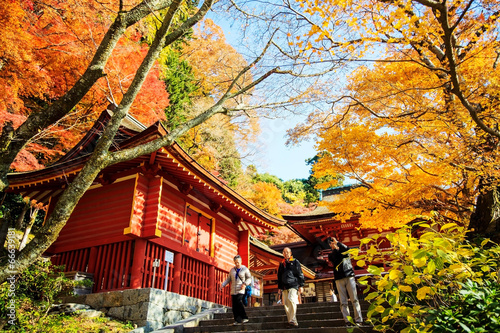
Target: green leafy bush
[
  {"x": 422, "y": 274},
  {"x": 32, "y": 293},
  {"x": 474, "y": 308}
]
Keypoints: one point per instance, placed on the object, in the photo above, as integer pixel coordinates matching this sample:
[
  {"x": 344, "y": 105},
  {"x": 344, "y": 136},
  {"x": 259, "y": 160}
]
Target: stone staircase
[{"x": 312, "y": 317}]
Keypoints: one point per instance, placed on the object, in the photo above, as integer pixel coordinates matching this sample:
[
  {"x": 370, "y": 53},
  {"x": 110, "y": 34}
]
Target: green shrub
[
  {"x": 34, "y": 292},
  {"x": 36, "y": 289},
  {"x": 424, "y": 274},
  {"x": 474, "y": 308}
]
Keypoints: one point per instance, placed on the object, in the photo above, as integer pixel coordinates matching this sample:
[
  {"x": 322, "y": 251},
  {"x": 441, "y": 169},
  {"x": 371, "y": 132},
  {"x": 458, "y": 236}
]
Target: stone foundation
[{"x": 147, "y": 308}]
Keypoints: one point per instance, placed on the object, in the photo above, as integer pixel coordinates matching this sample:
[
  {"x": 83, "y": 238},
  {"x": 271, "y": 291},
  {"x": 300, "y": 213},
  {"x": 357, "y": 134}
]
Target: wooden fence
[{"x": 111, "y": 265}]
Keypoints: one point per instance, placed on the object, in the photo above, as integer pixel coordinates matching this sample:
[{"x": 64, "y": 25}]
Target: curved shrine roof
[{"x": 170, "y": 162}]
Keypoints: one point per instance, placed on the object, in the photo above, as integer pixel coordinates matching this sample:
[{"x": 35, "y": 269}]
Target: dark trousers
[{"x": 239, "y": 312}]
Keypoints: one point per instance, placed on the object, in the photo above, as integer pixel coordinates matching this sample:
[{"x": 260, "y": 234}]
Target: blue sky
[
  {"x": 271, "y": 155},
  {"x": 277, "y": 159}
]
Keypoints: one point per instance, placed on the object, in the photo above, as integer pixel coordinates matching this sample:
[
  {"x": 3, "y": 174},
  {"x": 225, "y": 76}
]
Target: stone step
[
  {"x": 275, "y": 310},
  {"x": 362, "y": 329},
  {"x": 336, "y": 319},
  {"x": 278, "y": 315},
  {"x": 310, "y": 305},
  {"x": 281, "y": 317},
  {"x": 319, "y": 326}
]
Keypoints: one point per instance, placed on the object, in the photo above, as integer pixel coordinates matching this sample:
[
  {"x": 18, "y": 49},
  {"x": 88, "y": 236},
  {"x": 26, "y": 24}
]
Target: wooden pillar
[
  {"x": 244, "y": 247},
  {"x": 138, "y": 264},
  {"x": 212, "y": 284},
  {"x": 92, "y": 260},
  {"x": 176, "y": 285}
]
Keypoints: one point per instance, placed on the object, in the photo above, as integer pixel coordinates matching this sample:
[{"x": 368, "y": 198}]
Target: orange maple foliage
[
  {"x": 295, "y": 208},
  {"x": 215, "y": 62},
  {"x": 281, "y": 236},
  {"x": 21, "y": 74},
  {"x": 44, "y": 48}
]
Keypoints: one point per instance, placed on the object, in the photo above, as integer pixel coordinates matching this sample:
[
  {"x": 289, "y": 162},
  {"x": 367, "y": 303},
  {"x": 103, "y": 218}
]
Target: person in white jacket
[{"x": 240, "y": 277}]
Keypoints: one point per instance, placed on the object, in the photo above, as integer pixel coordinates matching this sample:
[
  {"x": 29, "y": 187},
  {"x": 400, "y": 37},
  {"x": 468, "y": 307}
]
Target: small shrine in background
[
  {"x": 265, "y": 261},
  {"x": 315, "y": 228}
]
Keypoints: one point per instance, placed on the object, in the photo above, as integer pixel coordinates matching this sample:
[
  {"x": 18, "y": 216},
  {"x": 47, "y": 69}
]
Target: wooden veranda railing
[
  {"x": 111, "y": 265},
  {"x": 222, "y": 296},
  {"x": 195, "y": 278},
  {"x": 155, "y": 251},
  {"x": 73, "y": 260}
]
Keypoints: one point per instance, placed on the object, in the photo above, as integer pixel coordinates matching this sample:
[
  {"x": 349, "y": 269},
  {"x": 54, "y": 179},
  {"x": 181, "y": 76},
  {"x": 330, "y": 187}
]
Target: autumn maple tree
[
  {"x": 75, "y": 57},
  {"x": 73, "y": 85},
  {"x": 417, "y": 121},
  {"x": 46, "y": 47}
]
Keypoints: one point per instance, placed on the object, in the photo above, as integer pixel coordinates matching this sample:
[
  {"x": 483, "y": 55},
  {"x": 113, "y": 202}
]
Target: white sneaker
[
  {"x": 245, "y": 320},
  {"x": 235, "y": 323}
]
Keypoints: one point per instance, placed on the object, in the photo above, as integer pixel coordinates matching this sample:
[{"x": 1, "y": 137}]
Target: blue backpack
[
  {"x": 248, "y": 294},
  {"x": 248, "y": 291}
]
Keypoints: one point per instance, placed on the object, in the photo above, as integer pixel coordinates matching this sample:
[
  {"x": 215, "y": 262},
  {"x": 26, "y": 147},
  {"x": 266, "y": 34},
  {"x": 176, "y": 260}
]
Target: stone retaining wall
[{"x": 148, "y": 308}]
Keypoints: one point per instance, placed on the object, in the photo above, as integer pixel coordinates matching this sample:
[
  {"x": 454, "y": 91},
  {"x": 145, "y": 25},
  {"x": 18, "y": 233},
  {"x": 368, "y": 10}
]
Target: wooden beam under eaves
[
  {"x": 264, "y": 267},
  {"x": 152, "y": 157}
]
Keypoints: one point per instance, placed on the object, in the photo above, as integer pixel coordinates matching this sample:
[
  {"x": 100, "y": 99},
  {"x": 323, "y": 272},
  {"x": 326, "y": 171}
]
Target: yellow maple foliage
[
  {"x": 417, "y": 124},
  {"x": 265, "y": 196}
]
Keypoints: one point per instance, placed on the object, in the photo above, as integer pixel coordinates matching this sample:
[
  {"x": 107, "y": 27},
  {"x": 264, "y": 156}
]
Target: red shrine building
[
  {"x": 315, "y": 228},
  {"x": 159, "y": 220}
]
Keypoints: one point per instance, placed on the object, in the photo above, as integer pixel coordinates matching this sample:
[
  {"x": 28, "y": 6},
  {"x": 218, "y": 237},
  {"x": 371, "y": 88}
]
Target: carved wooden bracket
[
  {"x": 215, "y": 207},
  {"x": 105, "y": 179},
  {"x": 186, "y": 188},
  {"x": 237, "y": 220},
  {"x": 150, "y": 170}
]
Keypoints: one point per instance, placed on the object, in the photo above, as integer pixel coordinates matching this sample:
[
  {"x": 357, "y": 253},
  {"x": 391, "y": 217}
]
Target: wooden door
[
  {"x": 204, "y": 228},
  {"x": 191, "y": 229}
]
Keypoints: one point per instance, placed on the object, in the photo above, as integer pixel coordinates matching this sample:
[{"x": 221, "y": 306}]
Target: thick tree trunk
[
  {"x": 101, "y": 157},
  {"x": 485, "y": 221}
]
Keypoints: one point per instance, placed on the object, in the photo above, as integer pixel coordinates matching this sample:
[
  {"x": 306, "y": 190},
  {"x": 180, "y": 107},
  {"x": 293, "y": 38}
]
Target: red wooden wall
[
  {"x": 103, "y": 233},
  {"x": 171, "y": 215},
  {"x": 99, "y": 218},
  {"x": 225, "y": 244}
]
